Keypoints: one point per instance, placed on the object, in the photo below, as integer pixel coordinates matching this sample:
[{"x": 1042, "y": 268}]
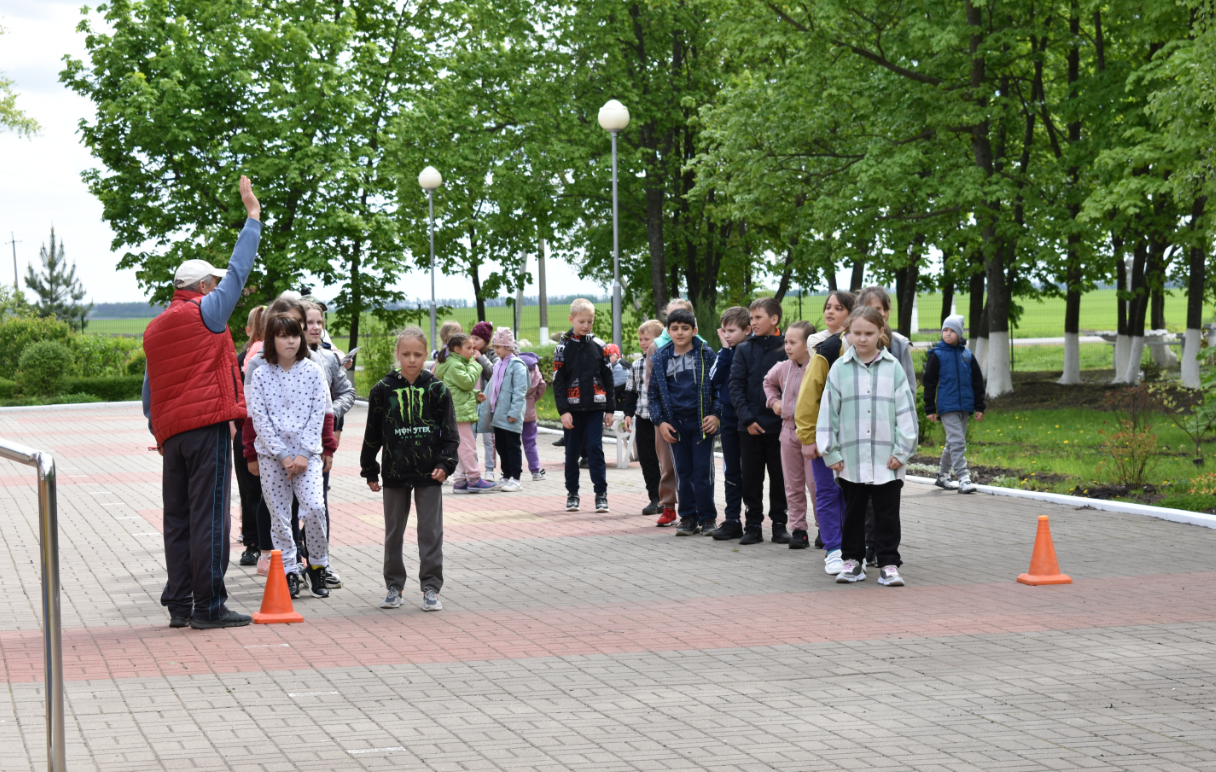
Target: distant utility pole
[{"x": 14, "y": 242}]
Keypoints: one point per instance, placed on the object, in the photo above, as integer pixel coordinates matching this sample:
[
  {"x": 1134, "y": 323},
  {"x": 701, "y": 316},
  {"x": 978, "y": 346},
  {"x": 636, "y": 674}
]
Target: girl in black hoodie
[{"x": 410, "y": 416}]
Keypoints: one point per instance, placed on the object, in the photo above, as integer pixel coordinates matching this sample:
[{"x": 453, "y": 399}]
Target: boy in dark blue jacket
[
  {"x": 733, "y": 328},
  {"x": 683, "y": 405},
  {"x": 954, "y": 389}
]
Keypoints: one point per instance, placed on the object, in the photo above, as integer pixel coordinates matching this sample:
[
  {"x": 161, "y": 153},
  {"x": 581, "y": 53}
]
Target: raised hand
[{"x": 252, "y": 207}]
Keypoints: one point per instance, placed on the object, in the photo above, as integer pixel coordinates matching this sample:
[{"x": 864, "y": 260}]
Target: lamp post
[
  {"x": 614, "y": 117},
  {"x": 429, "y": 179}
]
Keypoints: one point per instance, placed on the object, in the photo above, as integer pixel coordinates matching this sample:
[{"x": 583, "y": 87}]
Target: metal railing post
[{"x": 48, "y": 533}]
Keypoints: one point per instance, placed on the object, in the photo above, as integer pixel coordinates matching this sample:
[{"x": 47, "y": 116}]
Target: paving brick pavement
[{"x": 598, "y": 642}]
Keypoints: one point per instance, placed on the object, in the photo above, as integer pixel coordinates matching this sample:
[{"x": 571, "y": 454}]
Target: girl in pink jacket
[
  {"x": 781, "y": 389},
  {"x": 536, "y": 390}
]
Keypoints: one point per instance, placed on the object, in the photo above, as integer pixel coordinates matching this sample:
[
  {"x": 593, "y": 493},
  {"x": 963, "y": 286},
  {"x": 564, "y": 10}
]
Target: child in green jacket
[{"x": 461, "y": 373}]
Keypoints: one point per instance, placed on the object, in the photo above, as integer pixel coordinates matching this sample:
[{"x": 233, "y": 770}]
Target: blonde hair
[
  {"x": 411, "y": 333},
  {"x": 680, "y": 303},
  {"x": 256, "y": 323},
  {"x": 651, "y": 327},
  {"x": 582, "y": 306},
  {"x": 311, "y": 306},
  {"x": 874, "y": 317},
  {"x": 447, "y": 330}
]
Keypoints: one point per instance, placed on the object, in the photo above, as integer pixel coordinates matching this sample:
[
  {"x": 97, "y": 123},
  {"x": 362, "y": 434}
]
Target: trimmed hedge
[{"x": 115, "y": 388}]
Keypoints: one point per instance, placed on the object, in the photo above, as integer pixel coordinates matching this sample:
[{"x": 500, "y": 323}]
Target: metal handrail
[{"x": 52, "y": 644}]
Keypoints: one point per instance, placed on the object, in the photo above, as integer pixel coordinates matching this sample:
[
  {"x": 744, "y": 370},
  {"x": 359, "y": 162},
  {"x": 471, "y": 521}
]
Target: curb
[{"x": 1080, "y": 502}]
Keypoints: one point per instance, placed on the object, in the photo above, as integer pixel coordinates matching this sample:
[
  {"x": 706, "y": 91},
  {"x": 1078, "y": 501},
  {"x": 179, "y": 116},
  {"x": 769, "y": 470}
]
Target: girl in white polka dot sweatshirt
[{"x": 288, "y": 401}]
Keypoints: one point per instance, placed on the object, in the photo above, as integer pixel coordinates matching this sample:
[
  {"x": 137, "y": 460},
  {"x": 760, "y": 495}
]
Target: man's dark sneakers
[
  {"x": 871, "y": 558},
  {"x": 601, "y": 502},
  {"x": 708, "y": 527},
  {"x": 293, "y": 585},
  {"x": 227, "y": 619},
  {"x": 316, "y": 578},
  {"x": 800, "y": 540},
  {"x": 687, "y": 527},
  {"x": 653, "y": 508},
  {"x": 583, "y": 463},
  {"x": 818, "y": 539},
  {"x": 752, "y": 535},
  {"x": 730, "y": 529},
  {"x": 179, "y": 621},
  {"x": 780, "y": 535},
  {"x": 250, "y": 556},
  {"x": 560, "y": 441},
  {"x": 572, "y": 502}
]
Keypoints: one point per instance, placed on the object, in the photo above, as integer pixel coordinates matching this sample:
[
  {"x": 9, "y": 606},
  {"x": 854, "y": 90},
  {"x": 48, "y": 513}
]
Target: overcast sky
[{"x": 40, "y": 183}]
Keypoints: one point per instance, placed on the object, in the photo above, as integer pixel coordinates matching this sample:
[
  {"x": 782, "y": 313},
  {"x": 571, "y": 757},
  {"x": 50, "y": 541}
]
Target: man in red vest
[{"x": 192, "y": 391}]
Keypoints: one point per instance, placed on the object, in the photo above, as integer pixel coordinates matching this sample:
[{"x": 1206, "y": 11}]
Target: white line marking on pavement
[
  {"x": 273, "y": 646},
  {"x": 148, "y": 533},
  {"x": 309, "y": 694},
  {"x": 379, "y": 750}
]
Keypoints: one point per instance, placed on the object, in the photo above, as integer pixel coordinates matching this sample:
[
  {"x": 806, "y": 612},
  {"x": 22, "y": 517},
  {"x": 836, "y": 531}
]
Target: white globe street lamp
[
  {"x": 614, "y": 118},
  {"x": 430, "y": 179}
]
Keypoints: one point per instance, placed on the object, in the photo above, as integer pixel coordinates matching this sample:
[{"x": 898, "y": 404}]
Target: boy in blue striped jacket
[{"x": 686, "y": 411}]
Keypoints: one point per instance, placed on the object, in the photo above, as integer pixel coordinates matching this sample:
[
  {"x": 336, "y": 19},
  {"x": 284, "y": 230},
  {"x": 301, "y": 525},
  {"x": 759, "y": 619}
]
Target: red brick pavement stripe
[
  {"x": 411, "y": 637},
  {"x": 115, "y": 478}
]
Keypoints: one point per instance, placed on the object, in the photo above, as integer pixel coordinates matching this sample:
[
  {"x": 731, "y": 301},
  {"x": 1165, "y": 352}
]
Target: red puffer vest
[{"x": 192, "y": 371}]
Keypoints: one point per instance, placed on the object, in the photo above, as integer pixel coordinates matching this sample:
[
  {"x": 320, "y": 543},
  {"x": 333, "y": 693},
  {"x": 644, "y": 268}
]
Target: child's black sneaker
[
  {"x": 293, "y": 585},
  {"x": 799, "y": 540},
  {"x": 730, "y": 529},
  {"x": 818, "y": 539},
  {"x": 316, "y": 581},
  {"x": 708, "y": 527},
  {"x": 780, "y": 534},
  {"x": 752, "y": 535},
  {"x": 653, "y": 508},
  {"x": 871, "y": 558},
  {"x": 687, "y": 527},
  {"x": 250, "y": 556},
  {"x": 560, "y": 442},
  {"x": 601, "y": 502},
  {"x": 572, "y": 502}
]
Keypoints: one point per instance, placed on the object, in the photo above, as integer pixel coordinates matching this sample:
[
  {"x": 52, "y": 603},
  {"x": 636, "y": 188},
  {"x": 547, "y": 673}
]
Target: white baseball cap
[{"x": 193, "y": 271}]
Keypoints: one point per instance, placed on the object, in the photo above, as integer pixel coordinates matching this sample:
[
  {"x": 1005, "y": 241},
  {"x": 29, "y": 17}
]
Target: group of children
[{"x": 828, "y": 417}]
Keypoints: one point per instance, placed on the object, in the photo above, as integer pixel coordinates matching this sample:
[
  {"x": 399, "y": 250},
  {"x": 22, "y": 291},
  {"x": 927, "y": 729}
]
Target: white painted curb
[{"x": 1123, "y": 507}]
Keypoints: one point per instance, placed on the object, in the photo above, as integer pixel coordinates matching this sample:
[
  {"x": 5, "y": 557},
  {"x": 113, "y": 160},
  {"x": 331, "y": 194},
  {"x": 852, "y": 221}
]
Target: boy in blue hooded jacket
[
  {"x": 954, "y": 389},
  {"x": 686, "y": 410}
]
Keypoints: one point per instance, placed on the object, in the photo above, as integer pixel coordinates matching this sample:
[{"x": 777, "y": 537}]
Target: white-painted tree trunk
[
  {"x": 1135, "y": 351},
  {"x": 915, "y": 315},
  {"x": 980, "y": 350},
  {"x": 1190, "y": 361},
  {"x": 1072, "y": 360},
  {"x": 1164, "y": 357},
  {"x": 1000, "y": 379},
  {"x": 1123, "y": 347}
]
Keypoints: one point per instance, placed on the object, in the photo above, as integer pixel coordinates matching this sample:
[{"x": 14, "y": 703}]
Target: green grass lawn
[{"x": 1059, "y": 450}]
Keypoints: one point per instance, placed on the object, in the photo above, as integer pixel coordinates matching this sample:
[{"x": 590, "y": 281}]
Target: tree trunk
[
  {"x": 1137, "y": 308},
  {"x": 356, "y": 297},
  {"x": 1123, "y": 343},
  {"x": 1072, "y": 314},
  {"x": 975, "y": 315},
  {"x": 857, "y": 280},
  {"x": 654, "y": 239},
  {"x": 1194, "y": 297},
  {"x": 948, "y": 283},
  {"x": 786, "y": 272},
  {"x": 905, "y": 287},
  {"x": 542, "y": 294},
  {"x": 474, "y": 270}
]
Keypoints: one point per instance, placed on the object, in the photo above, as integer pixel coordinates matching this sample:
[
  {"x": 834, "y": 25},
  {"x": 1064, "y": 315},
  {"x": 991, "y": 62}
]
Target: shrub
[
  {"x": 1130, "y": 453},
  {"x": 138, "y": 363},
  {"x": 1204, "y": 484},
  {"x": 43, "y": 366},
  {"x": 114, "y": 388},
  {"x": 376, "y": 356},
  {"x": 7, "y": 388},
  {"x": 97, "y": 355},
  {"x": 18, "y": 333}
]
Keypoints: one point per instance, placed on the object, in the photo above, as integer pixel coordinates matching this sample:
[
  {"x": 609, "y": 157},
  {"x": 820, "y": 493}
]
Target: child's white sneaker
[
  {"x": 488, "y": 475},
  {"x": 430, "y": 601},
  {"x": 832, "y": 563},
  {"x": 966, "y": 486},
  {"x": 888, "y": 576},
  {"x": 854, "y": 571},
  {"x": 511, "y": 486},
  {"x": 538, "y": 476},
  {"x": 944, "y": 481}
]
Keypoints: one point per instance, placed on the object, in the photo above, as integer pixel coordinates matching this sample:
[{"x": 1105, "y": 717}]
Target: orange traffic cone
[
  {"x": 1044, "y": 568},
  {"x": 276, "y": 602}
]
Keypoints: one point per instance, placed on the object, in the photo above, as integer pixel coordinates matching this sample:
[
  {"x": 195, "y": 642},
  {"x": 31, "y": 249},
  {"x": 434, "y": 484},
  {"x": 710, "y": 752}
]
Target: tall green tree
[
  {"x": 59, "y": 291},
  {"x": 13, "y": 117}
]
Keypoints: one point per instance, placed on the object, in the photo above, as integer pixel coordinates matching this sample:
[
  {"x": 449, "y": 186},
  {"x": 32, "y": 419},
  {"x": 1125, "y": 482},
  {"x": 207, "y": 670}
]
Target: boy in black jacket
[
  {"x": 759, "y": 428},
  {"x": 586, "y": 399},
  {"x": 410, "y": 415}
]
